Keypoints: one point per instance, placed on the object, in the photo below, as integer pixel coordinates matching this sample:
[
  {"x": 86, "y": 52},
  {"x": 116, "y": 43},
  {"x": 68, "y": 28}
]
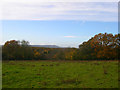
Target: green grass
[{"x": 60, "y": 74}]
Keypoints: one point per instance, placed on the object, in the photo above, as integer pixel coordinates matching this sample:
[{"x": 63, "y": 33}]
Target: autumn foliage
[{"x": 100, "y": 47}]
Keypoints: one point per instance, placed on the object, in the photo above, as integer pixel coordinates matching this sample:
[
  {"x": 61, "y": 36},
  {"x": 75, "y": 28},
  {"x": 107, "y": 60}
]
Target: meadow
[{"x": 59, "y": 74}]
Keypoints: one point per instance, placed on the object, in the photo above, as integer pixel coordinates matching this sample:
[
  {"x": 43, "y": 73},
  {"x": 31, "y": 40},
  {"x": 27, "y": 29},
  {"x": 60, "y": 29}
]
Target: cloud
[
  {"x": 69, "y": 36},
  {"x": 84, "y": 11},
  {"x": 33, "y": 1}
]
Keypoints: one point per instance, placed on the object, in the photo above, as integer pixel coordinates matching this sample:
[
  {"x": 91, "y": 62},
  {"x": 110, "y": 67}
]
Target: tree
[
  {"x": 101, "y": 46},
  {"x": 16, "y": 50},
  {"x": 105, "y": 45},
  {"x": 10, "y": 49},
  {"x": 25, "y": 50}
]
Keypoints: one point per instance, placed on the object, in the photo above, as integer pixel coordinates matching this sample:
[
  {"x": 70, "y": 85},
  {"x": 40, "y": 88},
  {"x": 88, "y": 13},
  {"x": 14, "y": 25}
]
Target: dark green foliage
[{"x": 16, "y": 50}]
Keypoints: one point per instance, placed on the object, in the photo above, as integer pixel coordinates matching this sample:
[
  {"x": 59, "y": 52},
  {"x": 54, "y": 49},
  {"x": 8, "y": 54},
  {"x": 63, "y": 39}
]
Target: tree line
[{"x": 100, "y": 47}]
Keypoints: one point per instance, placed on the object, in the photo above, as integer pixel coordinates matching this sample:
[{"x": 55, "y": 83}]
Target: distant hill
[{"x": 46, "y": 46}]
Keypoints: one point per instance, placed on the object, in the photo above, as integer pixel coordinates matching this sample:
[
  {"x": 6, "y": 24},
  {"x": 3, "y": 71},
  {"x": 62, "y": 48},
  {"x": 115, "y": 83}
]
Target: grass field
[{"x": 60, "y": 74}]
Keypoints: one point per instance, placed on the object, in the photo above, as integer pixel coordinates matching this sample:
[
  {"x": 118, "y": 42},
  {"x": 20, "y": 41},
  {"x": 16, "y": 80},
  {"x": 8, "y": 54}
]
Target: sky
[{"x": 66, "y": 24}]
